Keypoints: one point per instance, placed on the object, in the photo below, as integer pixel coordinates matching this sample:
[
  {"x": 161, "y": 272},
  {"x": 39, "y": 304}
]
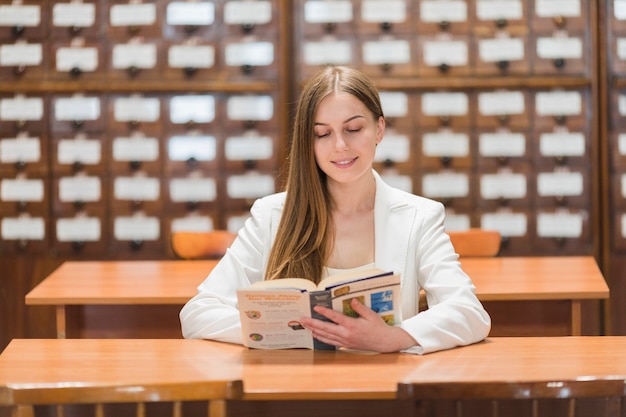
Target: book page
[
  {"x": 269, "y": 318},
  {"x": 286, "y": 283}
]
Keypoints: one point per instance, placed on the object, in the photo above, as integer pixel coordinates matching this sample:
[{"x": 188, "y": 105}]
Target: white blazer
[{"x": 410, "y": 239}]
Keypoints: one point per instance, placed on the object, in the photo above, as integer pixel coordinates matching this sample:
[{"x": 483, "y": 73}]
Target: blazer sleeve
[
  {"x": 212, "y": 313},
  {"x": 455, "y": 316}
]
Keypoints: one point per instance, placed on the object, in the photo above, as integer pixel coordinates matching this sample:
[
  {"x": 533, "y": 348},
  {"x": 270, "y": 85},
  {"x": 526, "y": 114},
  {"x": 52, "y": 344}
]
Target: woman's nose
[{"x": 340, "y": 142}]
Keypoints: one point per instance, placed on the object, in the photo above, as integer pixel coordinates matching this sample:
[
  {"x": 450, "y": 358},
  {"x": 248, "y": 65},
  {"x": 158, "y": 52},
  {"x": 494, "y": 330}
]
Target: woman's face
[{"x": 346, "y": 134}]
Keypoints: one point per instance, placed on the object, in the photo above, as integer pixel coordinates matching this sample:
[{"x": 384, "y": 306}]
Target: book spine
[{"x": 321, "y": 298}]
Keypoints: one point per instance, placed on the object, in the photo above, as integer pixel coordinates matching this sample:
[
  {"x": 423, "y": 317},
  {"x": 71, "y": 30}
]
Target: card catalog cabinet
[
  {"x": 490, "y": 106},
  {"x": 122, "y": 121}
]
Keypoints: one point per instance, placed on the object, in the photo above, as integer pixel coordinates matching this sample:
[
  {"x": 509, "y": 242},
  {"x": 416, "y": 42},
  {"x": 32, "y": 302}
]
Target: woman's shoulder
[{"x": 271, "y": 201}]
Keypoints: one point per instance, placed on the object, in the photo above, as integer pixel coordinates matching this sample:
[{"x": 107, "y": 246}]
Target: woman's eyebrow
[{"x": 356, "y": 116}]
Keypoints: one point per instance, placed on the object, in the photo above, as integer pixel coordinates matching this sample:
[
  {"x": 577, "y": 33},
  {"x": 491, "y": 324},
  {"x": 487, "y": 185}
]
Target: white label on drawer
[
  {"x": 200, "y": 148},
  {"x": 387, "y": 11},
  {"x": 182, "y": 13},
  {"x": 85, "y": 59},
  {"x": 249, "y": 53},
  {"x": 133, "y": 14},
  {"x": 444, "y": 104},
  {"x": 621, "y": 143},
  {"x": 192, "y": 56},
  {"x": 134, "y": 55},
  {"x": 557, "y": 8},
  {"x": 394, "y": 147},
  {"x": 20, "y": 149},
  {"x": 199, "y": 109},
  {"x": 248, "y": 148},
  {"x": 453, "y": 53},
  {"x": 82, "y": 229},
  {"x": 508, "y": 224},
  {"x": 77, "y": 108},
  {"x": 79, "y": 188},
  {"x": 22, "y": 190},
  {"x": 136, "y": 109},
  {"x": 395, "y": 104},
  {"x": 445, "y": 143},
  {"x": 249, "y": 185},
  {"x": 85, "y": 151},
  {"x": 250, "y": 108},
  {"x": 247, "y": 12},
  {"x": 499, "y": 9},
  {"x": 192, "y": 189},
  {"x": 502, "y": 144},
  {"x": 20, "y": 15},
  {"x": 445, "y": 185},
  {"x": 562, "y": 144},
  {"x": 327, "y": 53},
  {"x": 74, "y": 14},
  {"x": 327, "y": 11},
  {"x": 505, "y": 49},
  {"x": 137, "y": 188},
  {"x": 136, "y": 228},
  {"x": 443, "y": 10},
  {"x": 386, "y": 52},
  {"x": 561, "y": 224},
  {"x": 21, "y": 54},
  {"x": 559, "y": 103},
  {"x": 456, "y": 221},
  {"x": 507, "y": 185},
  {"x": 560, "y": 184},
  {"x": 568, "y": 48},
  {"x": 501, "y": 103},
  {"x": 621, "y": 104},
  {"x": 402, "y": 182},
  {"x": 21, "y": 108},
  {"x": 192, "y": 224},
  {"x": 620, "y": 48},
  {"x": 619, "y": 9},
  {"x": 135, "y": 149},
  {"x": 29, "y": 228}
]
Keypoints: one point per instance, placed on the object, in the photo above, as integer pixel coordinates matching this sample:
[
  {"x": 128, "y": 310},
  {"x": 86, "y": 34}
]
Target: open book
[{"x": 270, "y": 310}]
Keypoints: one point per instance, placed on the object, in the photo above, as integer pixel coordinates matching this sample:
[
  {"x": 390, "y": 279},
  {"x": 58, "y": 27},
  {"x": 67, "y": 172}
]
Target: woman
[{"x": 337, "y": 214}]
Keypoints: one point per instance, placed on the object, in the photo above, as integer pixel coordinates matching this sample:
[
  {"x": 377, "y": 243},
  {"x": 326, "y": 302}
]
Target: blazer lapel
[{"x": 393, "y": 222}]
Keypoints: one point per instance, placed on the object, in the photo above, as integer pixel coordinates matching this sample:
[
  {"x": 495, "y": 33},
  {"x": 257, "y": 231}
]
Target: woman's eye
[
  {"x": 322, "y": 135},
  {"x": 354, "y": 130}
]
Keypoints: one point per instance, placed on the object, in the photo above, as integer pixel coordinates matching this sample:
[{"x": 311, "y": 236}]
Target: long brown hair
[{"x": 305, "y": 233}]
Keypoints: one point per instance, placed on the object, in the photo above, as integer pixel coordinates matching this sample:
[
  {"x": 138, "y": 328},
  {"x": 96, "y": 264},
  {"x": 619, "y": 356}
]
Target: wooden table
[
  {"x": 569, "y": 279},
  {"x": 305, "y": 383}
]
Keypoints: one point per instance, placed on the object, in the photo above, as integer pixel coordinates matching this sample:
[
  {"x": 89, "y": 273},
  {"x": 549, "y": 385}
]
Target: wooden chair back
[
  {"x": 476, "y": 242},
  {"x": 597, "y": 397},
  {"x": 168, "y": 400},
  {"x": 470, "y": 243},
  {"x": 202, "y": 245}
]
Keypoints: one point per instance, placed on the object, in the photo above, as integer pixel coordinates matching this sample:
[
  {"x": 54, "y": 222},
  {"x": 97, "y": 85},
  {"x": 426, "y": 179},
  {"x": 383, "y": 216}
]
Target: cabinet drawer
[
  {"x": 319, "y": 17},
  {"x": 84, "y": 19},
  {"x": 435, "y": 16},
  {"x": 23, "y": 154},
  {"x": 78, "y": 59},
  {"x": 563, "y": 232}
]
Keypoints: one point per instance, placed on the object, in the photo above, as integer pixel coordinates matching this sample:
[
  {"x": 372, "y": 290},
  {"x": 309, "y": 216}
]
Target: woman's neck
[{"x": 354, "y": 197}]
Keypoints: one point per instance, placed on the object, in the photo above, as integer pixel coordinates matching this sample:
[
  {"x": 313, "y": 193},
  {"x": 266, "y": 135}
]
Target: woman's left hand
[{"x": 366, "y": 332}]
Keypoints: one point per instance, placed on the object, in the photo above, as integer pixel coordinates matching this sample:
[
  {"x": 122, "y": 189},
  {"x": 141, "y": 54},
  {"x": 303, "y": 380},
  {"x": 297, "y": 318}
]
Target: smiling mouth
[{"x": 345, "y": 162}]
